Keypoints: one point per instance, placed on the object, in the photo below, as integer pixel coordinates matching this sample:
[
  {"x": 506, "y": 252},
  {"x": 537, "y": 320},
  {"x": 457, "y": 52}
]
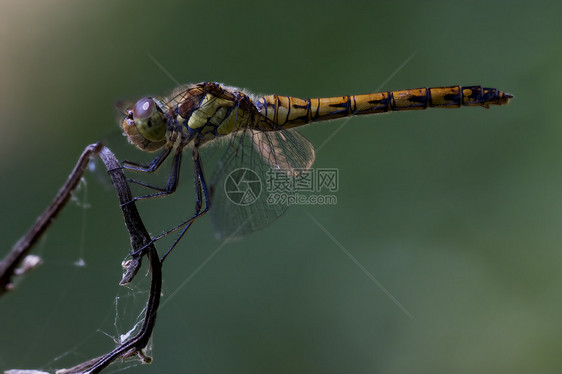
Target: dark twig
[
  {"x": 23, "y": 246},
  {"x": 139, "y": 237}
]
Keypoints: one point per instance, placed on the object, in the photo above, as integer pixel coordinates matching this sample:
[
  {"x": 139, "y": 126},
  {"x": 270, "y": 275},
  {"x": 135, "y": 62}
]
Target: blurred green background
[{"x": 456, "y": 213}]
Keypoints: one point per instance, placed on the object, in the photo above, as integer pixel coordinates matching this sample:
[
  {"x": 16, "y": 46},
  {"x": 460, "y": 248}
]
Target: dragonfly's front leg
[
  {"x": 173, "y": 177},
  {"x": 148, "y": 168},
  {"x": 152, "y": 166}
]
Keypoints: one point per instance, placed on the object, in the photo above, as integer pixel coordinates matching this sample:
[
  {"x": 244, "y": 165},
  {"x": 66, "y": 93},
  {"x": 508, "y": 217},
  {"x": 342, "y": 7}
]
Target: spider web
[{"x": 61, "y": 313}]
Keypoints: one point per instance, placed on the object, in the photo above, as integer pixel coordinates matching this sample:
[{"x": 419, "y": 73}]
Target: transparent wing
[
  {"x": 286, "y": 151},
  {"x": 245, "y": 176}
]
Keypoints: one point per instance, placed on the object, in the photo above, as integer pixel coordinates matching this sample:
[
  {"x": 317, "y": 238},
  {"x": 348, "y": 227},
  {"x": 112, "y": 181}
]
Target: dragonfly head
[{"x": 145, "y": 125}]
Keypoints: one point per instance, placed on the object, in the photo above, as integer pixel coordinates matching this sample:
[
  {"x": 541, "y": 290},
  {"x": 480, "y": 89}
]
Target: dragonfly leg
[
  {"x": 149, "y": 168},
  {"x": 202, "y": 194},
  {"x": 170, "y": 187}
]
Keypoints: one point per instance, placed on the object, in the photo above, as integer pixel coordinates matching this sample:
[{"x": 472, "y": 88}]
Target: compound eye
[
  {"x": 149, "y": 120},
  {"x": 144, "y": 108}
]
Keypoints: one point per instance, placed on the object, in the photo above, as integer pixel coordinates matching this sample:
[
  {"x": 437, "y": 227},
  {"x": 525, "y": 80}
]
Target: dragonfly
[{"x": 258, "y": 135}]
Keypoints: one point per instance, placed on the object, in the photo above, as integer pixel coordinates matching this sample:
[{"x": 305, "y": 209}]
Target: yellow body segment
[{"x": 288, "y": 112}]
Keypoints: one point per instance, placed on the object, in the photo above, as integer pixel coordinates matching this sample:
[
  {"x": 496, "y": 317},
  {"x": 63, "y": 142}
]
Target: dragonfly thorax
[{"x": 213, "y": 117}]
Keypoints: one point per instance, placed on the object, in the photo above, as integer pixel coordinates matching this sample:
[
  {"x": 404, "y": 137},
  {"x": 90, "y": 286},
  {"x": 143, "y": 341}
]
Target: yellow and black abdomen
[{"x": 287, "y": 112}]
